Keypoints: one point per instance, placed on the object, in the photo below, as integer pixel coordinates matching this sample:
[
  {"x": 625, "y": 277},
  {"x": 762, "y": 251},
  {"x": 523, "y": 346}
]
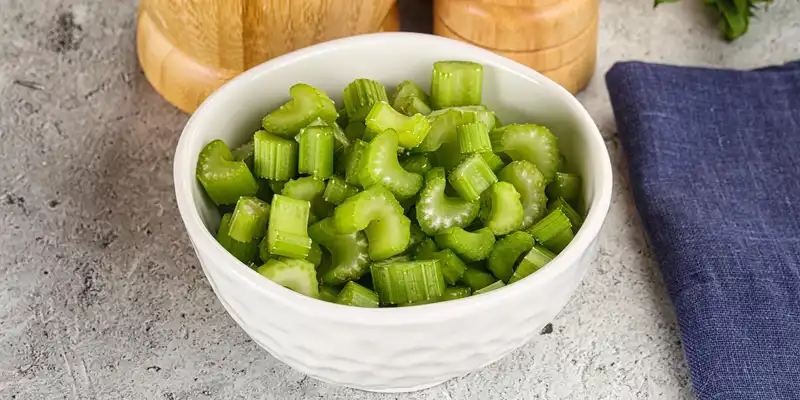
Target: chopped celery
[
  {"x": 473, "y": 137},
  {"x": 406, "y": 90},
  {"x": 308, "y": 103},
  {"x": 377, "y": 212},
  {"x": 224, "y": 179},
  {"x": 410, "y": 130},
  {"x": 380, "y": 166},
  {"x": 536, "y": 258},
  {"x": 249, "y": 220},
  {"x": 506, "y": 252},
  {"x": 472, "y": 177},
  {"x": 413, "y": 105},
  {"x": 477, "y": 279},
  {"x": 530, "y": 184},
  {"x": 338, "y": 190},
  {"x": 263, "y": 250},
  {"x": 276, "y": 186},
  {"x": 287, "y": 229},
  {"x": 316, "y": 151},
  {"x": 425, "y": 250},
  {"x": 275, "y": 158},
  {"x": 565, "y": 185},
  {"x": 470, "y": 246},
  {"x": 297, "y": 275},
  {"x": 445, "y": 122},
  {"x": 529, "y": 142},
  {"x": 449, "y": 155},
  {"x": 354, "y": 160},
  {"x": 452, "y": 266},
  {"x": 417, "y": 163},
  {"x": 574, "y": 218},
  {"x": 314, "y": 255},
  {"x": 493, "y": 286},
  {"x": 456, "y": 83},
  {"x": 494, "y": 161},
  {"x": 355, "y": 130},
  {"x": 309, "y": 189},
  {"x": 436, "y": 211},
  {"x": 501, "y": 210},
  {"x": 244, "y": 251},
  {"x": 264, "y": 191},
  {"x": 455, "y": 292},
  {"x": 353, "y": 294},
  {"x": 359, "y": 97},
  {"x": 407, "y": 282},
  {"x": 328, "y": 293},
  {"x": 349, "y": 253},
  {"x": 417, "y": 236},
  {"x": 554, "y": 231},
  {"x": 244, "y": 153}
]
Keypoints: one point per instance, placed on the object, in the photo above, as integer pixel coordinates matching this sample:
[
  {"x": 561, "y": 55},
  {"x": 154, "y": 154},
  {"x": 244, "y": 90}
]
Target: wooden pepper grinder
[
  {"x": 188, "y": 48},
  {"x": 555, "y": 37}
]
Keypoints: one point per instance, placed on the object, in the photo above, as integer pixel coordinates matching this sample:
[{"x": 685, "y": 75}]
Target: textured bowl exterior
[{"x": 399, "y": 349}]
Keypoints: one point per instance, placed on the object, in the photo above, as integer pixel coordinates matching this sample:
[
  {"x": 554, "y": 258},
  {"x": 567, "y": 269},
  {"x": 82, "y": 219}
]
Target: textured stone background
[{"x": 102, "y": 298}]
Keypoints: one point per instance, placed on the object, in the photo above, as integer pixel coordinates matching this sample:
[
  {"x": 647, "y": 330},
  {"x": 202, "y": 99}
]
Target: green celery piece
[
  {"x": 473, "y": 137},
  {"x": 530, "y": 184},
  {"x": 328, "y": 293},
  {"x": 355, "y": 130},
  {"x": 472, "y": 177},
  {"x": 536, "y": 258},
  {"x": 315, "y": 255},
  {"x": 287, "y": 231},
  {"x": 349, "y": 253},
  {"x": 470, "y": 246},
  {"x": 406, "y": 90},
  {"x": 407, "y": 282},
  {"x": 456, "y": 83},
  {"x": 410, "y": 130},
  {"x": 244, "y": 153},
  {"x": 506, "y": 252},
  {"x": 380, "y": 166},
  {"x": 354, "y": 162},
  {"x": 477, "y": 279},
  {"x": 337, "y": 190},
  {"x": 417, "y": 236},
  {"x": 575, "y": 218},
  {"x": 501, "y": 210},
  {"x": 452, "y": 266},
  {"x": 276, "y": 186},
  {"x": 493, "y": 286},
  {"x": 494, "y": 161},
  {"x": 449, "y": 156},
  {"x": 249, "y": 220},
  {"x": 455, "y": 293},
  {"x": 417, "y": 163},
  {"x": 263, "y": 250},
  {"x": 316, "y": 151},
  {"x": 565, "y": 185},
  {"x": 445, "y": 122},
  {"x": 310, "y": 189},
  {"x": 244, "y": 251},
  {"x": 308, "y": 103},
  {"x": 275, "y": 158},
  {"x": 426, "y": 249},
  {"x": 340, "y": 140},
  {"x": 388, "y": 236},
  {"x": 360, "y": 96},
  {"x": 529, "y": 142},
  {"x": 297, "y": 275},
  {"x": 367, "y": 206},
  {"x": 554, "y": 231},
  {"x": 436, "y": 211},
  {"x": 413, "y": 105},
  {"x": 224, "y": 179},
  {"x": 353, "y": 294}
]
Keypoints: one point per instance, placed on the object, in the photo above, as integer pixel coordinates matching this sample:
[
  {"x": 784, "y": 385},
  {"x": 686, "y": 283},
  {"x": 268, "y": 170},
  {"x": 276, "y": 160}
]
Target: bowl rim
[{"x": 200, "y": 236}]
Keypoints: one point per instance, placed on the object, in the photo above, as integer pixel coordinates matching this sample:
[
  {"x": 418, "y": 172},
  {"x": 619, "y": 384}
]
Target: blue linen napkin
[{"x": 714, "y": 162}]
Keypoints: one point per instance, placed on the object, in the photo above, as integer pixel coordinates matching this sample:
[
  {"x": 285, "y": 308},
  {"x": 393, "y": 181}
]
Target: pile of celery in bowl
[{"x": 393, "y": 202}]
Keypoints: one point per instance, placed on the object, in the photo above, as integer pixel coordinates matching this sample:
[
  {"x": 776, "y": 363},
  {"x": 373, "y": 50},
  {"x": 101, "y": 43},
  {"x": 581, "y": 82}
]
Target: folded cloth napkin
[{"x": 714, "y": 162}]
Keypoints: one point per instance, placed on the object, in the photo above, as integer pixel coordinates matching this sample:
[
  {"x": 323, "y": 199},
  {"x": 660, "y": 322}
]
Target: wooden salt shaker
[
  {"x": 188, "y": 48},
  {"x": 555, "y": 37}
]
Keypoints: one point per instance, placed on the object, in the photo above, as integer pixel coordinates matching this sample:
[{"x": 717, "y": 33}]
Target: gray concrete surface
[{"x": 102, "y": 298}]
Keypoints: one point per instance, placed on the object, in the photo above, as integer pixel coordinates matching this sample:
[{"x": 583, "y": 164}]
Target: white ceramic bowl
[{"x": 396, "y": 349}]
